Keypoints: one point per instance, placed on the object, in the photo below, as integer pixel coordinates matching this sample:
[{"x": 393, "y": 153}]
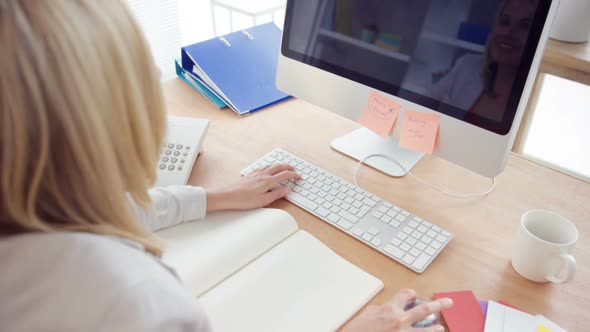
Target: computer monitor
[{"x": 471, "y": 61}]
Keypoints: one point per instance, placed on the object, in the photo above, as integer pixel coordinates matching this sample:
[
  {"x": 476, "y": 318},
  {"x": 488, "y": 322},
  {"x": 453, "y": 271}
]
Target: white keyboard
[{"x": 393, "y": 231}]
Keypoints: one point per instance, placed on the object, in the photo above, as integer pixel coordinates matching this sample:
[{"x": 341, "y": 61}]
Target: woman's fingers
[
  {"x": 422, "y": 311},
  {"x": 277, "y": 168},
  {"x": 402, "y": 298}
]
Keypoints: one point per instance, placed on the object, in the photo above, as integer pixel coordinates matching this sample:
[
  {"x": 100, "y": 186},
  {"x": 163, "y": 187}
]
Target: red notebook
[{"x": 465, "y": 315}]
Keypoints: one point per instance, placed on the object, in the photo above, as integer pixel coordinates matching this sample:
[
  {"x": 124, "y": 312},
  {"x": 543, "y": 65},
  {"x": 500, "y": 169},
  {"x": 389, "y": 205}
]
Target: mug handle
[{"x": 570, "y": 262}]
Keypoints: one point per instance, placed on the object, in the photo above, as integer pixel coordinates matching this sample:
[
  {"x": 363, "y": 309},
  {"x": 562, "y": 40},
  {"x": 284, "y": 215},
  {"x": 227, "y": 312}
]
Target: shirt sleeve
[
  {"x": 155, "y": 306},
  {"x": 172, "y": 205}
]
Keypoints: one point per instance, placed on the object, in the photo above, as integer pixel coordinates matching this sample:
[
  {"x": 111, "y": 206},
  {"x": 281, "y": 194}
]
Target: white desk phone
[{"x": 183, "y": 143}]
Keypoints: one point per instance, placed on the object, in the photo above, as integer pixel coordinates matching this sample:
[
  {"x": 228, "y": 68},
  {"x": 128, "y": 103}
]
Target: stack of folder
[
  {"x": 470, "y": 315},
  {"x": 237, "y": 70}
]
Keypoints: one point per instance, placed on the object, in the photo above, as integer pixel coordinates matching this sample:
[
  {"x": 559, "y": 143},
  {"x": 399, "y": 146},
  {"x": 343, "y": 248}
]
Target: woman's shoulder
[{"x": 86, "y": 276}]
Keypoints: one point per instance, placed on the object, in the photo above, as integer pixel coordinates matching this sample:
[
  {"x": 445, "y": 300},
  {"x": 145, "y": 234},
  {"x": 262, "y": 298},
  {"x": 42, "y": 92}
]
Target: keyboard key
[
  {"x": 411, "y": 241},
  {"x": 417, "y": 235},
  {"x": 376, "y": 242},
  {"x": 369, "y": 202},
  {"x": 335, "y": 209},
  {"x": 363, "y": 211},
  {"x": 298, "y": 199},
  {"x": 422, "y": 229},
  {"x": 408, "y": 259},
  {"x": 377, "y": 214},
  {"x": 333, "y": 218},
  {"x": 344, "y": 224},
  {"x": 348, "y": 199},
  {"x": 348, "y": 216},
  {"x": 395, "y": 223},
  {"x": 322, "y": 212},
  {"x": 421, "y": 261},
  {"x": 430, "y": 251},
  {"x": 382, "y": 209},
  {"x": 396, "y": 242},
  {"x": 391, "y": 213},
  {"x": 357, "y": 204},
  {"x": 431, "y": 233},
  {"x": 426, "y": 239},
  {"x": 353, "y": 210},
  {"x": 404, "y": 247},
  {"x": 407, "y": 230},
  {"x": 367, "y": 237},
  {"x": 441, "y": 238},
  {"x": 436, "y": 245},
  {"x": 436, "y": 229},
  {"x": 445, "y": 233},
  {"x": 420, "y": 246},
  {"x": 405, "y": 213},
  {"x": 388, "y": 205},
  {"x": 418, "y": 219},
  {"x": 394, "y": 251},
  {"x": 358, "y": 232},
  {"x": 396, "y": 209},
  {"x": 373, "y": 231},
  {"x": 345, "y": 206},
  {"x": 413, "y": 224},
  {"x": 402, "y": 236},
  {"x": 415, "y": 252},
  {"x": 385, "y": 219},
  {"x": 400, "y": 218}
]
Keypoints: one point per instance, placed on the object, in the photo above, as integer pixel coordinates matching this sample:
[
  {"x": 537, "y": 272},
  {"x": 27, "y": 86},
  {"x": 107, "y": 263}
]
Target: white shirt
[
  {"x": 463, "y": 85},
  {"x": 85, "y": 282}
]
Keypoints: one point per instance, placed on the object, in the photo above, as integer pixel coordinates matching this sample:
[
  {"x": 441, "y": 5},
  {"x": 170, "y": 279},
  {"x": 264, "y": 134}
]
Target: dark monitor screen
[{"x": 468, "y": 59}]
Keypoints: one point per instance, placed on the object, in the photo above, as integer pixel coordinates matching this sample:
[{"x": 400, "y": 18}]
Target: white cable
[{"x": 358, "y": 166}]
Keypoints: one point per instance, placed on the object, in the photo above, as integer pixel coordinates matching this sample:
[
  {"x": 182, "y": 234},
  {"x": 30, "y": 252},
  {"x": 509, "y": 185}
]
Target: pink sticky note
[
  {"x": 419, "y": 131},
  {"x": 379, "y": 114}
]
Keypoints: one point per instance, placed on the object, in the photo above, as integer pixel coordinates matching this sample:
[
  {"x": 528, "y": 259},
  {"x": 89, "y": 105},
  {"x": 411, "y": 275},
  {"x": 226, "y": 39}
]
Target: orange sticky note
[
  {"x": 379, "y": 114},
  {"x": 419, "y": 131}
]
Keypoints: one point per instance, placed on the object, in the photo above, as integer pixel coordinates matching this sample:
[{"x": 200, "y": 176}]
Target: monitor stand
[{"x": 362, "y": 142}]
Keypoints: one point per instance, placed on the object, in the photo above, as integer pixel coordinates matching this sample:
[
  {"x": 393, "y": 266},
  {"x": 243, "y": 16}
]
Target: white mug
[{"x": 543, "y": 245}]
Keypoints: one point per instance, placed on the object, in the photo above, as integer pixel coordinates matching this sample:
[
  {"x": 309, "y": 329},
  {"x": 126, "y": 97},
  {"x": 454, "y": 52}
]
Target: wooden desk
[
  {"x": 567, "y": 60},
  {"x": 478, "y": 258}
]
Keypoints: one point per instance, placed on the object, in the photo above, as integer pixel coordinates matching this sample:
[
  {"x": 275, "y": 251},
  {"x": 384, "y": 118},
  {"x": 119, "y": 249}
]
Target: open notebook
[{"x": 255, "y": 271}]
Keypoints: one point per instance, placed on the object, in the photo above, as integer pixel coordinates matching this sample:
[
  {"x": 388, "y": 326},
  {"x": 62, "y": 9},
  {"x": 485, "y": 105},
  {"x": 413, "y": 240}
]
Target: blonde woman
[
  {"x": 482, "y": 84},
  {"x": 81, "y": 123}
]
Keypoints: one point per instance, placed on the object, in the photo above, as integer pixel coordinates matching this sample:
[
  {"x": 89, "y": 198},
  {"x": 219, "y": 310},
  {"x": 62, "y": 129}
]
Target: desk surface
[
  {"x": 478, "y": 258},
  {"x": 567, "y": 60}
]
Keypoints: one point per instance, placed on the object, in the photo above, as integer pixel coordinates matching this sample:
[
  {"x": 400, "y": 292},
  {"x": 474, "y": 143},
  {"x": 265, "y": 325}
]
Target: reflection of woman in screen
[{"x": 481, "y": 84}]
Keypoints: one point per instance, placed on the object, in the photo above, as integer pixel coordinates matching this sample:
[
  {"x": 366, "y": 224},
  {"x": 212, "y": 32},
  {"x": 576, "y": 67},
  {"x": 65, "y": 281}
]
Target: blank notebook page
[{"x": 299, "y": 285}]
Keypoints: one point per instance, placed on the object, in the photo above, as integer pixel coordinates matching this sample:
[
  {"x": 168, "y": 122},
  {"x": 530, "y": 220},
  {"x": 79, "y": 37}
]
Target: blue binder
[
  {"x": 197, "y": 84},
  {"x": 241, "y": 67}
]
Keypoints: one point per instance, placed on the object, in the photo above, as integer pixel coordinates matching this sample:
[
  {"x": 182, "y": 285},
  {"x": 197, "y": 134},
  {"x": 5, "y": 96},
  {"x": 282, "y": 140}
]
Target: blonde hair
[
  {"x": 490, "y": 66},
  {"x": 81, "y": 119}
]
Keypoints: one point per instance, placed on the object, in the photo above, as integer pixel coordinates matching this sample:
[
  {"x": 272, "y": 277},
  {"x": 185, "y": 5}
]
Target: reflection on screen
[{"x": 460, "y": 53}]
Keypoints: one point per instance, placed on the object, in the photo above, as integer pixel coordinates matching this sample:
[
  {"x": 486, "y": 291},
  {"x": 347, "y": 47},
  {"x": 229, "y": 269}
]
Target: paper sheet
[
  {"x": 379, "y": 114},
  {"x": 419, "y": 131}
]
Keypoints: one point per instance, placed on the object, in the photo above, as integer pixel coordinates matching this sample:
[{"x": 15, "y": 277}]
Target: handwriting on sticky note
[
  {"x": 379, "y": 114},
  {"x": 419, "y": 131}
]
